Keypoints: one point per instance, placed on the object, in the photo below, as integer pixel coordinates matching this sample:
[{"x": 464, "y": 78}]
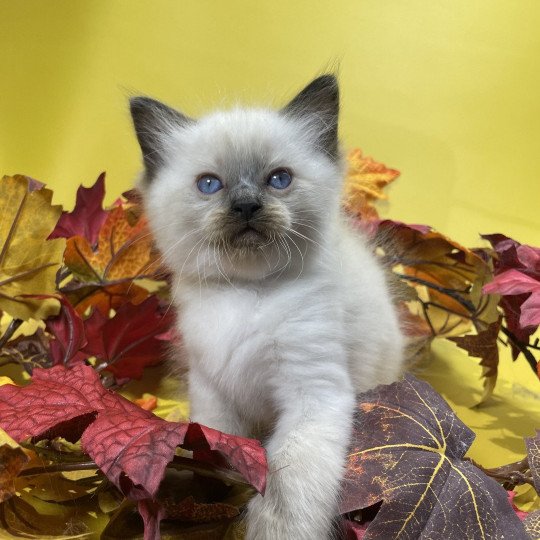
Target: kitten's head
[{"x": 244, "y": 193}]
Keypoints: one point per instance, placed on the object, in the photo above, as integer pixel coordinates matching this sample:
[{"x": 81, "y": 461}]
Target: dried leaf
[
  {"x": 129, "y": 341},
  {"x": 124, "y": 253},
  {"x": 69, "y": 335},
  {"x": 407, "y": 451},
  {"x": 88, "y": 215},
  {"x": 28, "y": 263},
  {"x": 448, "y": 277},
  {"x": 364, "y": 183},
  {"x": 533, "y": 454},
  {"x": 130, "y": 445},
  {"x": 12, "y": 460},
  {"x": 245, "y": 455},
  {"x": 511, "y": 255},
  {"x": 148, "y": 402},
  {"x": 483, "y": 345},
  {"x": 190, "y": 510},
  {"x": 514, "y": 282},
  {"x": 532, "y": 525}
]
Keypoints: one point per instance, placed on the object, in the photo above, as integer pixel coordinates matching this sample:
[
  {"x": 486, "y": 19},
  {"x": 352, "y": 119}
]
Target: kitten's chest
[{"x": 228, "y": 336}]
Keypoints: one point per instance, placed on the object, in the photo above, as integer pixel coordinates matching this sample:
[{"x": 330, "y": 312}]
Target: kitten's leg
[
  {"x": 209, "y": 408},
  {"x": 306, "y": 455}
]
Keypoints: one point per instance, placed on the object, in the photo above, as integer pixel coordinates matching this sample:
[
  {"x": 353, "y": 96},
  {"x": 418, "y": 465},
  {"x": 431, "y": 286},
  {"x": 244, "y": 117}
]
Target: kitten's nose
[{"x": 246, "y": 209}]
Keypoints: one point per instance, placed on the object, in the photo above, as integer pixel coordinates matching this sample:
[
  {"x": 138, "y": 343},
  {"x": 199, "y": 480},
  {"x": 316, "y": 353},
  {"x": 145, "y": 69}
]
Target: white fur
[{"x": 277, "y": 343}]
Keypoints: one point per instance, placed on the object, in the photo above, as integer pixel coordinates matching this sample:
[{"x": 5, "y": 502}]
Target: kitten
[{"x": 283, "y": 310}]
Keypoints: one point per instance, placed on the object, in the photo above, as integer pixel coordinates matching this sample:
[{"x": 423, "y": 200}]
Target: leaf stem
[
  {"x": 10, "y": 330},
  {"x": 178, "y": 463},
  {"x": 523, "y": 347},
  {"x": 452, "y": 293},
  {"x": 511, "y": 475}
]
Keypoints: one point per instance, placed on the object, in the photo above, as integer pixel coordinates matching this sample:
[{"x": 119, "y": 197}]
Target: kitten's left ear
[
  {"x": 318, "y": 102},
  {"x": 154, "y": 122}
]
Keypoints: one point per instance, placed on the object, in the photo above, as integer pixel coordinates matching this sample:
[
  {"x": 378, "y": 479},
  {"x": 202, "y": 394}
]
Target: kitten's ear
[
  {"x": 318, "y": 102},
  {"x": 154, "y": 122}
]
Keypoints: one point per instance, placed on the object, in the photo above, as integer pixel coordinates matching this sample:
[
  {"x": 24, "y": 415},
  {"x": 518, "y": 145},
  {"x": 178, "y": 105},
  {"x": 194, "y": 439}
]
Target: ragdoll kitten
[{"x": 283, "y": 311}]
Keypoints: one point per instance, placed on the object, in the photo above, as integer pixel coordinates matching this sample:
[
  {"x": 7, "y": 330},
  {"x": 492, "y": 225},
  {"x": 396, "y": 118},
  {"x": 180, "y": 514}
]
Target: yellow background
[{"x": 448, "y": 92}]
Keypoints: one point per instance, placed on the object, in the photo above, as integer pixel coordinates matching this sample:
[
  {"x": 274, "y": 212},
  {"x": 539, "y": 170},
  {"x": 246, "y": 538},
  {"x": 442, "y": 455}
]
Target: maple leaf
[
  {"x": 129, "y": 341},
  {"x": 510, "y": 254},
  {"x": 130, "y": 445},
  {"x": 407, "y": 451},
  {"x": 104, "y": 276},
  {"x": 514, "y": 282},
  {"x": 448, "y": 277},
  {"x": 88, "y": 215},
  {"x": 28, "y": 264},
  {"x": 363, "y": 185},
  {"x": 483, "y": 345},
  {"x": 69, "y": 335}
]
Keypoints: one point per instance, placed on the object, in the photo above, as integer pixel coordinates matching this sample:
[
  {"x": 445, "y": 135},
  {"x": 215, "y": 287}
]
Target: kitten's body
[{"x": 281, "y": 325}]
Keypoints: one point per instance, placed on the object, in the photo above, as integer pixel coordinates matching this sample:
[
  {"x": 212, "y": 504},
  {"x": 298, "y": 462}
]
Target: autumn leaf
[
  {"x": 28, "y": 263},
  {"x": 448, "y": 277},
  {"x": 514, "y": 282},
  {"x": 532, "y": 521},
  {"x": 130, "y": 445},
  {"x": 364, "y": 183},
  {"x": 407, "y": 451},
  {"x": 148, "y": 402},
  {"x": 511, "y": 255},
  {"x": 124, "y": 253},
  {"x": 12, "y": 460},
  {"x": 88, "y": 215},
  {"x": 245, "y": 455},
  {"x": 69, "y": 334},
  {"x": 129, "y": 341},
  {"x": 483, "y": 345}
]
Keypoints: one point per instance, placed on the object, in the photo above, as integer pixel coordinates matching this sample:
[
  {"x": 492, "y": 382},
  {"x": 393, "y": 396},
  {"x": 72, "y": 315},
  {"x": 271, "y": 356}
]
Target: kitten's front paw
[{"x": 266, "y": 521}]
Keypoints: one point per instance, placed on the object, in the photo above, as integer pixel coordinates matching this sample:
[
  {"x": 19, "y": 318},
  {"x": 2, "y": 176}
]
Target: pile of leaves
[{"x": 85, "y": 309}]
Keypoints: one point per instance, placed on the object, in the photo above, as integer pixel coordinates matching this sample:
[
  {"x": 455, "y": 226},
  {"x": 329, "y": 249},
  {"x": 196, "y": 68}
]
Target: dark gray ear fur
[
  {"x": 153, "y": 121},
  {"x": 319, "y": 102}
]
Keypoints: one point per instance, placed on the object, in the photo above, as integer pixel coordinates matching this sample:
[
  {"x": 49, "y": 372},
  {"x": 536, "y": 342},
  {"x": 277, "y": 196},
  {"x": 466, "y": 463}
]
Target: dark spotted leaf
[{"x": 408, "y": 448}]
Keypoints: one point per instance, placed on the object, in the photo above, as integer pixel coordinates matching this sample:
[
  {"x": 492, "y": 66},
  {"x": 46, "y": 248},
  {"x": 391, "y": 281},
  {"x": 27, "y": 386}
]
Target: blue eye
[
  {"x": 209, "y": 184},
  {"x": 280, "y": 179}
]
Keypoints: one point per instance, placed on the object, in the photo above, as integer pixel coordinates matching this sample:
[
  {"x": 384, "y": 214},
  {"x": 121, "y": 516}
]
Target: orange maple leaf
[
  {"x": 104, "y": 276},
  {"x": 364, "y": 183}
]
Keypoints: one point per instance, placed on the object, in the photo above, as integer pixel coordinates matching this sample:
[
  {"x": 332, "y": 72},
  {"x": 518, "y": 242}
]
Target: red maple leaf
[
  {"x": 88, "y": 215},
  {"x": 517, "y": 279},
  {"x": 515, "y": 282},
  {"x": 69, "y": 335},
  {"x": 130, "y": 445},
  {"x": 129, "y": 341}
]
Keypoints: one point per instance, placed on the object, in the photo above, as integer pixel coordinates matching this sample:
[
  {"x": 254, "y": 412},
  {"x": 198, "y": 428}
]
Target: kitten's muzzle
[{"x": 246, "y": 209}]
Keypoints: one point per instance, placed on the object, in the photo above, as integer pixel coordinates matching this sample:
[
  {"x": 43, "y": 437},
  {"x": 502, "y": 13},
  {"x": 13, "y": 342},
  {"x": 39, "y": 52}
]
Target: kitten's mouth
[{"x": 248, "y": 237}]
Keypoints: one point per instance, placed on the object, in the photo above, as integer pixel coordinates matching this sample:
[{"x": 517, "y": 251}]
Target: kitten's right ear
[{"x": 154, "y": 122}]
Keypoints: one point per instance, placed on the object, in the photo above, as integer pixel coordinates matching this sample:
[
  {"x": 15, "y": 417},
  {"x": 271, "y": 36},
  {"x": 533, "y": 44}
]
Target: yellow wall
[{"x": 446, "y": 91}]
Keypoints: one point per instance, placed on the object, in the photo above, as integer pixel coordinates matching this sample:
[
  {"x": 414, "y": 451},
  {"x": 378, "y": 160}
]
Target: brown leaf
[
  {"x": 483, "y": 345},
  {"x": 12, "y": 460},
  {"x": 532, "y": 525},
  {"x": 407, "y": 451},
  {"x": 448, "y": 277},
  {"x": 189, "y": 510}
]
